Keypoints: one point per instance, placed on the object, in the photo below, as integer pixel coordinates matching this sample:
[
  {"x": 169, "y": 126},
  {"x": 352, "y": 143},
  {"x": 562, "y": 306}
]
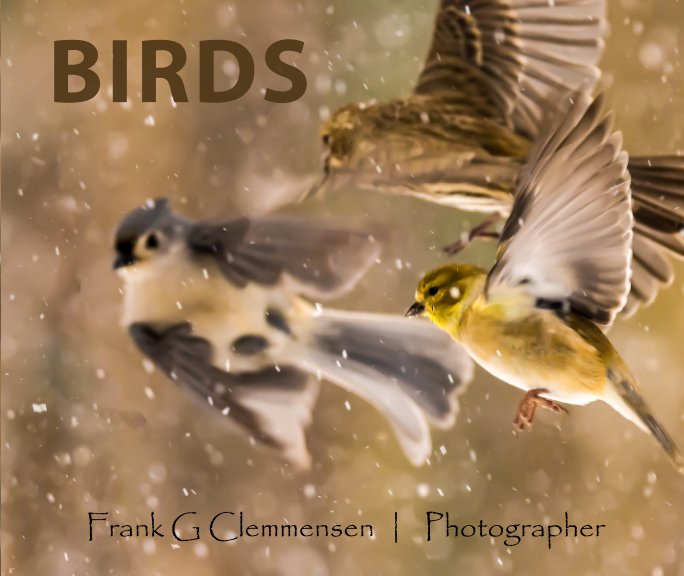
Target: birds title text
[{"x": 75, "y": 79}]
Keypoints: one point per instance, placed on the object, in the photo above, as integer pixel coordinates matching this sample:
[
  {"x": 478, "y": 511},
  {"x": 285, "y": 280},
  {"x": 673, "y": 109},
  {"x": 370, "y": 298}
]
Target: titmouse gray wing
[
  {"x": 323, "y": 260},
  {"x": 273, "y": 404}
]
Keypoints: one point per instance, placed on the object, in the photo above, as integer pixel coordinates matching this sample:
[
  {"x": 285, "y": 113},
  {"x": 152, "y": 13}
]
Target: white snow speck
[
  {"x": 156, "y": 472},
  {"x": 393, "y": 31},
  {"x": 309, "y": 490},
  {"x": 149, "y": 546},
  {"x": 651, "y": 55}
]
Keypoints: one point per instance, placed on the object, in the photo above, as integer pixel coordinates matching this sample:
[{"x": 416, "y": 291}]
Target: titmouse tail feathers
[{"x": 408, "y": 370}]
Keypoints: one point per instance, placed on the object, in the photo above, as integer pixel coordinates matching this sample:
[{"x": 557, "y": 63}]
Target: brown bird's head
[{"x": 338, "y": 135}]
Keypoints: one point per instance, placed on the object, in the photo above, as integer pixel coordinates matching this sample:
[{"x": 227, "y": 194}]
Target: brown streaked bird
[
  {"x": 223, "y": 309},
  {"x": 462, "y": 137},
  {"x": 562, "y": 272}
]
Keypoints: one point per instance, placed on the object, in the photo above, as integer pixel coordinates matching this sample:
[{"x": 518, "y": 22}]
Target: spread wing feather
[
  {"x": 273, "y": 404},
  {"x": 517, "y": 54},
  {"x": 322, "y": 260},
  {"x": 568, "y": 238}
]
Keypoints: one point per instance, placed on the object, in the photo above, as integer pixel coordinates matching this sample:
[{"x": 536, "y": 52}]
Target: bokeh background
[{"x": 112, "y": 436}]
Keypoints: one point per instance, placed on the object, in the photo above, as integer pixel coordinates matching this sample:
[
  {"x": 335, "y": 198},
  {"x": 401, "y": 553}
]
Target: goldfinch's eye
[
  {"x": 152, "y": 242},
  {"x": 432, "y": 291}
]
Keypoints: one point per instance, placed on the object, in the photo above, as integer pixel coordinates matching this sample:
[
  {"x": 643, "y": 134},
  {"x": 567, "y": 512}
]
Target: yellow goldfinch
[
  {"x": 462, "y": 137},
  {"x": 219, "y": 307},
  {"x": 563, "y": 268}
]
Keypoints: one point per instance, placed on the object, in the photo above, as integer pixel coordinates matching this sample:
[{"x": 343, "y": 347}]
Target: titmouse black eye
[
  {"x": 432, "y": 291},
  {"x": 152, "y": 242}
]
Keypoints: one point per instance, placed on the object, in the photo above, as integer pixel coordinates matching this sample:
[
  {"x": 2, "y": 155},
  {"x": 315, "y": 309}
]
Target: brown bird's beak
[
  {"x": 318, "y": 187},
  {"x": 416, "y": 309}
]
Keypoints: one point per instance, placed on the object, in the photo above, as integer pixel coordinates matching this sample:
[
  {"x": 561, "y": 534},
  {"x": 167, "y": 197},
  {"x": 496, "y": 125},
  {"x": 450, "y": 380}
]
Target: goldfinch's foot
[
  {"x": 482, "y": 230},
  {"x": 528, "y": 406}
]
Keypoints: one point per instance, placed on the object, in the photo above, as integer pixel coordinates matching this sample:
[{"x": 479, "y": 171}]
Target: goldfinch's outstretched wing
[
  {"x": 515, "y": 54},
  {"x": 273, "y": 404},
  {"x": 568, "y": 239},
  {"x": 322, "y": 260}
]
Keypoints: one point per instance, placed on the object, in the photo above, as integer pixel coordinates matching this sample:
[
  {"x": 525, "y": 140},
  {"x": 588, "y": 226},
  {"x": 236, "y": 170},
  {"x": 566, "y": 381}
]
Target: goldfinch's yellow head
[{"x": 442, "y": 293}]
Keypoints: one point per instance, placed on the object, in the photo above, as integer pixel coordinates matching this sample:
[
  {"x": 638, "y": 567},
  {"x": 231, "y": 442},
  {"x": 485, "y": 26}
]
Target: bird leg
[
  {"x": 528, "y": 406},
  {"x": 482, "y": 230}
]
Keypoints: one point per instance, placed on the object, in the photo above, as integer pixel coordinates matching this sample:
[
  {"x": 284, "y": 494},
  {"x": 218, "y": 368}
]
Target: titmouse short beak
[
  {"x": 122, "y": 260},
  {"x": 416, "y": 309}
]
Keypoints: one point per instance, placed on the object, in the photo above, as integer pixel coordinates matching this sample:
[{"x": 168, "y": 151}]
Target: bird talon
[
  {"x": 455, "y": 248},
  {"x": 479, "y": 231},
  {"x": 528, "y": 406},
  {"x": 520, "y": 425},
  {"x": 558, "y": 408}
]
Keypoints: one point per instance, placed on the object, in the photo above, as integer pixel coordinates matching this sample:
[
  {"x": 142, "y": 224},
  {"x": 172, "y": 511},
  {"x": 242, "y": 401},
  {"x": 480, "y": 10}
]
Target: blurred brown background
[{"x": 115, "y": 437}]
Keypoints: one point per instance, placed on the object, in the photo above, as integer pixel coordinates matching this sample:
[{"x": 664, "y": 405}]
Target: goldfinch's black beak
[{"x": 416, "y": 309}]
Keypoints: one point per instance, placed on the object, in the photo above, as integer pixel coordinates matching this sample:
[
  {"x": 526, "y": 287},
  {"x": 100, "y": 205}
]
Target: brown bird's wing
[
  {"x": 651, "y": 270},
  {"x": 322, "y": 260},
  {"x": 516, "y": 54},
  {"x": 273, "y": 405},
  {"x": 658, "y": 194},
  {"x": 568, "y": 240}
]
